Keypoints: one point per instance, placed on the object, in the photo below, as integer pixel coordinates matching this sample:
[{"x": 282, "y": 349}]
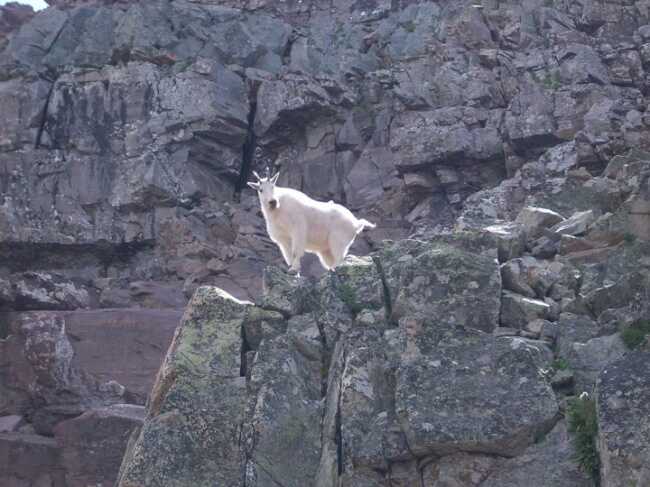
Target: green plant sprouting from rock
[
  {"x": 636, "y": 334},
  {"x": 560, "y": 364},
  {"x": 583, "y": 423},
  {"x": 349, "y": 297}
]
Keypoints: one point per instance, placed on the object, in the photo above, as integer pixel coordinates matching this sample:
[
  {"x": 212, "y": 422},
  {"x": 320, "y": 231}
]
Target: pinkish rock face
[
  {"x": 65, "y": 362},
  {"x": 93, "y": 443},
  {"x": 12, "y": 16},
  {"x": 10, "y": 423},
  {"x": 30, "y": 460},
  {"x": 78, "y": 3}
]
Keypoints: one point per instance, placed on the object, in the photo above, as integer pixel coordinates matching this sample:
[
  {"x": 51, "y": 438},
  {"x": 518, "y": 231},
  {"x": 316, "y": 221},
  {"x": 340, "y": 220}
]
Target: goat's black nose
[{"x": 273, "y": 204}]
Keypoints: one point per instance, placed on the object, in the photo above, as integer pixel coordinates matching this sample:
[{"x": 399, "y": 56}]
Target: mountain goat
[{"x": 299, "y": 224}]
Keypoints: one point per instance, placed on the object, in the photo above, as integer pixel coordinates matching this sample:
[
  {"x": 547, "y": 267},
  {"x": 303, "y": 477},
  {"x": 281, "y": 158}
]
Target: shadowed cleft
[
  {"x": 388, "y": 303},
  {"x": 248, "y": 149}
]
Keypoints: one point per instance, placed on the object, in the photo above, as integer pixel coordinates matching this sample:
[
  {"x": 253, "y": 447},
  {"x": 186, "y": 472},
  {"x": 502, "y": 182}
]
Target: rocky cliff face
[
  {"x": 484, "y": 130},
  {"x": 130, "y": 129}
]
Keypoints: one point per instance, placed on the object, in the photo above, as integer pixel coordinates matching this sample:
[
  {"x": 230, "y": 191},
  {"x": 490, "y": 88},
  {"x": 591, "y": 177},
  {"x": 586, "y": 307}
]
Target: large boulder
[
  {"x": 197, "y": 405},
  {"x": 504, "y": 403},
  {"x": 282, "y": 434},
  {"x": 443, "y": 281}
]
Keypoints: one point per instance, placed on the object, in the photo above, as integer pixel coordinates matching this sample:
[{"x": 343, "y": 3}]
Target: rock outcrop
[
  {"x": 343, "y": 388},
  {"x": 501, "y": 148},
  {"x": 427, "y": 362}
]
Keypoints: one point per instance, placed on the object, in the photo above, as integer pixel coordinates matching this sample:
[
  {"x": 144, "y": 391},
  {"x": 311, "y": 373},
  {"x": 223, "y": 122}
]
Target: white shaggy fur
[{"x": 299, "y": 224}]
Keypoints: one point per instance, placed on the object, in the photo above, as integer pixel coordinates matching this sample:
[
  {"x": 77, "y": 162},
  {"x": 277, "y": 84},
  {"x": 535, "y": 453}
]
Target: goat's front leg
[
  {"x": 285, "y": 248},
  {"x": 298, "y": 243}
]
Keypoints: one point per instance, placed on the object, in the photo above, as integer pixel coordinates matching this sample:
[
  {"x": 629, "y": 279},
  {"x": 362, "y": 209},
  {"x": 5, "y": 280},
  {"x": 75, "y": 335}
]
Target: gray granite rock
[
  {"x": 444, "y": 281},
  {"x": 622, "y": 418},
  {"x": 517, "y": 311},
  {"x": 535, "y": 220},
  {"x": 531, "y": 468}
]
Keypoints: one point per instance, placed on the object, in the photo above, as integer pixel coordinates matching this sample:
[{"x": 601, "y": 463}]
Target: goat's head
[{"x": 265, "y": 188}]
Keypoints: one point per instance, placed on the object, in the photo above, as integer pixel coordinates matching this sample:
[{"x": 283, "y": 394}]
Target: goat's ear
[
  {"x": 255, "y": 186},
  {"x": 275, "y": 178}
]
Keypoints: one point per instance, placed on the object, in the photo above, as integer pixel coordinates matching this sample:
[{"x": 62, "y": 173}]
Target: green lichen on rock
[
  {"x": 195, "y": 411},
  {"x": 359, "y": 284},
  {"x": 443, "y": 281}
]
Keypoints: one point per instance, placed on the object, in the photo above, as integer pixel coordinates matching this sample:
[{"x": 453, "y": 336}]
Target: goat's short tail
[{"x": 363, "y": 224}]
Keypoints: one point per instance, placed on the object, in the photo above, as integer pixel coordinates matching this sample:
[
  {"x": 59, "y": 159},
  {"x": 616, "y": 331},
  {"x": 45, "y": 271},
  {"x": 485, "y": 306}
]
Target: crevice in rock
[
  {"x": 245, "y": 348},
  {"x": 4, "y": 328},
  {"x": 326, "y": 357},
  {"x": 241, "y": 444},
  {"x": 339, "y": 437},
  {"x": 286, "y": 53},
  {"x": 43, "y": 118},
  {"x": 58, "y": 34},
  {"x": 248, "y": 149},
  {"x": 388, "y": 303},
  {"x": 588, "y": 28},
  {"x": 267, "y": 307},
  {"x": 340, "y": 176}
]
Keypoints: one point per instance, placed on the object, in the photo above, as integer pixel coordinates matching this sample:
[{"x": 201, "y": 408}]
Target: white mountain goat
[{"x": 299, "y": 224}]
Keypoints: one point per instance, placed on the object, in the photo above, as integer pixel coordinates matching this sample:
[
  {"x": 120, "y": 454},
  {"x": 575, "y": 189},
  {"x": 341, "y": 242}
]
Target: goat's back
[{"x": 298, "y": 205}]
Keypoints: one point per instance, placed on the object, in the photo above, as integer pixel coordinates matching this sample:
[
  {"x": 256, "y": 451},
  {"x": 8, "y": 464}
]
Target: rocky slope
[
  {"x": 483, "y": 130},
  {"x": 428, "y": 363}
]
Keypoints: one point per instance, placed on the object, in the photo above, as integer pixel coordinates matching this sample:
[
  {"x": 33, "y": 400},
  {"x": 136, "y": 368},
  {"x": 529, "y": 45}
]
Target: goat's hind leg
[{"x": 326, "y": 259}]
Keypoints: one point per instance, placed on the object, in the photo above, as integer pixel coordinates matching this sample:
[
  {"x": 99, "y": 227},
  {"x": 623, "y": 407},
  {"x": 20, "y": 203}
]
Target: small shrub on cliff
[
  {"x": 560, "y": 364},
  {"x": 635, "y": 334},
  {"x": 349, "y": 297},
  {"x": 583, "y": 423},
  {"x": 409, "y": 26},
  {"x": 629, "y": 238}
]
